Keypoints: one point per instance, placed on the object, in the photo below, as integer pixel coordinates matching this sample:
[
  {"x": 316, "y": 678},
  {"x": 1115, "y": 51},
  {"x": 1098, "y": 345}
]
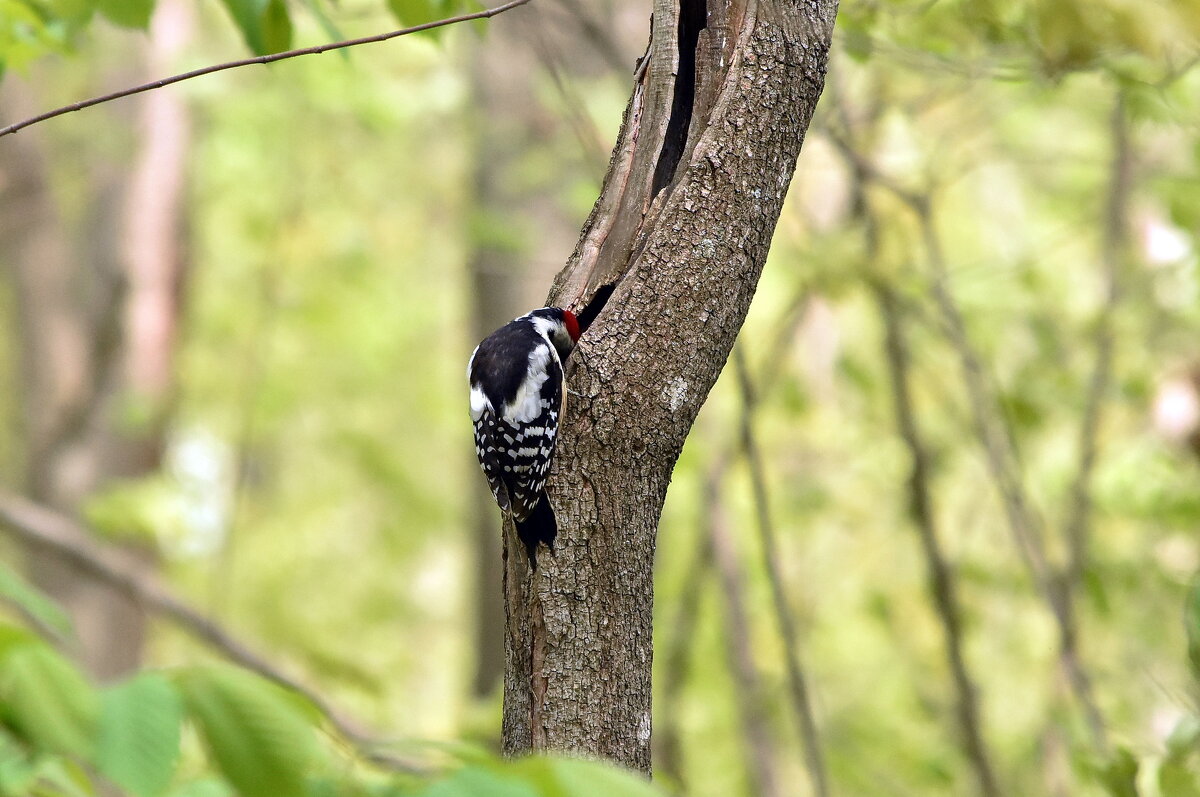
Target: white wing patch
[
  {"x": 471, "y": 362},
  {"x": 479, "y": 403},
  {"x": 526, "y": 406}
]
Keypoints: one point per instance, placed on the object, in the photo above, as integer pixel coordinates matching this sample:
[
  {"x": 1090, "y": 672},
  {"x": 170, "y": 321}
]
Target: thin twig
[
  {"x": 1001, "y": 459},
  {"x": 942, "y": 585},
  {"x": 1116, "y": 226},
  {"x": 675, "y": 660},
  {"x": 601, "y": 36},
  {"x": 738, "y": 647},
  {"x": 261, "y": 59},
  {"x": 801, "y": 700},
  {"x": 688, "y": 602},
  {"x": 43, "y": 528},
  {"x": 997, "y": 441}
]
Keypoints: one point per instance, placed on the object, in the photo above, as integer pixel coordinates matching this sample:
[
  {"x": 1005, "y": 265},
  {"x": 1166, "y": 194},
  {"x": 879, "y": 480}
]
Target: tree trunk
[
  {"x": 666, "y": 266},
  {"x": 519, "y": 228}
]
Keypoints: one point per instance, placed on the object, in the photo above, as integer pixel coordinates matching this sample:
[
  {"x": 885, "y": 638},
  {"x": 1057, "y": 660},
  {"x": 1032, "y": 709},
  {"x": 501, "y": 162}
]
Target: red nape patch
[{"x": 572, "y": 324}]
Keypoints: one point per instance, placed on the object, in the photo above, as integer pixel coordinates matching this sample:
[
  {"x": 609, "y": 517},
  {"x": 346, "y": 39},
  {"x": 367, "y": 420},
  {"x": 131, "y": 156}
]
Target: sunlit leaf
[
  {"x": 1192, "y": 621},
  {"x": 33, "y": 602},
  {"x": 127, "y": 13},
  {"x": 48, "y": 700},
  {"x": 265, "y": 24},
  {"x": 139, "y": 734},
  {"x": 257, "y": 735},
  {"x": 1119, "y": 776},
  {"x": 572, "y": 777}
]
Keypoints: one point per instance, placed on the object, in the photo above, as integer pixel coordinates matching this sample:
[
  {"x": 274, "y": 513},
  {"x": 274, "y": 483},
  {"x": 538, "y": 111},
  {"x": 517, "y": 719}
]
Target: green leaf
[
  {"x": 13, "y": 637},
  {"x": 258, "y": 736},
  {"x": 1120, "y": 775},
  {"x": 33, "y": 602},
  {"x": 127, "y": 13},
  {"x": 277, "y": 27},
  {"x": 1176, "y": 780},
  {"x": 17, "y": 772},
  {"x": 139, "y": 734},
  {"x": 1191, "y": 617},
  {"x": 265, "y": 24},
  {"x": 48, "y": 701},
  {"x": 416, "y": 12},
  {"x": 574, "y": 777},
  {"x": 206, "y": 787},
  {"x": 59, "y": 777},
  {"x": 479, "y": 782}
]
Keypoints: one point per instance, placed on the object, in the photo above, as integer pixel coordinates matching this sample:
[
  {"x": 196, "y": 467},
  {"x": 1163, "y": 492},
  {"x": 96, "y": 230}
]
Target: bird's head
[{"x": 560, "y": 327}]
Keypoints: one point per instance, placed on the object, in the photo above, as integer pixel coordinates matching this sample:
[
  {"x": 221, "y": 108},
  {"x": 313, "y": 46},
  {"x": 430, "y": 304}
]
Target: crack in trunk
[{"x": 693, "y": 18}]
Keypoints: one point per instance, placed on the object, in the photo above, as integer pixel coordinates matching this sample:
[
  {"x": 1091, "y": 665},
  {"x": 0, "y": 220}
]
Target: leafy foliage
[
  {"x": 57, "y": 728},
  {"x": 139, "y": 734},
  {"x": 258, "y": 737},
  {"x": 30, "y": 29},
  {"x": 14, "y": 589},
  {"x": 264, "y": 24}
]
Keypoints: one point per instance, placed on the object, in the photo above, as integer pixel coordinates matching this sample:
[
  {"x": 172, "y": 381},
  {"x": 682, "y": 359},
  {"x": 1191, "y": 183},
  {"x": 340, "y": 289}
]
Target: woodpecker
[{"x": 517, "y": 399}]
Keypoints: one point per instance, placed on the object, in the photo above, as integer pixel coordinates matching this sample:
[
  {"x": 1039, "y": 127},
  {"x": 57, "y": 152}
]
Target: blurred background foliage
[{"x": 987, "y": 269}]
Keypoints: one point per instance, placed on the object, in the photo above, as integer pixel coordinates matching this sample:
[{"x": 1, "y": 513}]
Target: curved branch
[
  {"x": 261, "y": 59},
  {"x": 36, "y": 526}
]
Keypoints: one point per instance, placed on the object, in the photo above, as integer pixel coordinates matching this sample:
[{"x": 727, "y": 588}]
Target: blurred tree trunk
[
  {"x": 98, "y": 309},
  {"x": 519, "y": 228},
  {"x": 669, "y": 259}
]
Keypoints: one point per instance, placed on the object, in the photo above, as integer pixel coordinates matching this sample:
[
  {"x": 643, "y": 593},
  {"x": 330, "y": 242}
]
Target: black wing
[{"x": 517, "y": 427}]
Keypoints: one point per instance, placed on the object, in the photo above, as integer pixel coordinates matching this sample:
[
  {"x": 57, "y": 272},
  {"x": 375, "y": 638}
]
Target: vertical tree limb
[
  {"x": 1115, "y": 234},
  {"x": 997, "y": 443},
  {"x": 751, "y": 699},
  {"x": 673, "y": 254},
  {"x": 942, "y": 586},
  {"x": 667, "y": 744},
  {"x": 797, "y": 682}
]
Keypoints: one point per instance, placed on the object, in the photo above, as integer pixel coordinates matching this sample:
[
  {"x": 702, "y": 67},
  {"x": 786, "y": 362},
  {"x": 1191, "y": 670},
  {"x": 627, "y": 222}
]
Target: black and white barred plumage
[{"x": 517, "y": 400}]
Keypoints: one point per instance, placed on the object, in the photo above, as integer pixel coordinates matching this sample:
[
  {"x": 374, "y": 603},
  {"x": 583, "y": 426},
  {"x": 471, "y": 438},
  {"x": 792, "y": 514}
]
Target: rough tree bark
[
  {"x": 664, "y": 272},
  {"x": 519, "y": 230}
]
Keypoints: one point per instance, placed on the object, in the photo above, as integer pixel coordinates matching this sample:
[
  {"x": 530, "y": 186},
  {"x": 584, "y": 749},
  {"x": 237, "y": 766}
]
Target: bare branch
[
  {"x": 669, "y": 757},
  {"x": 942, "y": 585},
  {"x": 43, "y": 528},
  {"x": 996, "y": 439},
  {"x": 1001, "y": 459},
  {"x": 668, "y": 752},
  {"x": 801, "y": 700},
  {"x": 752, "y": 703},
  {"x": 1116, "y": 227},
  {"x": 261, "y": 59}
]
